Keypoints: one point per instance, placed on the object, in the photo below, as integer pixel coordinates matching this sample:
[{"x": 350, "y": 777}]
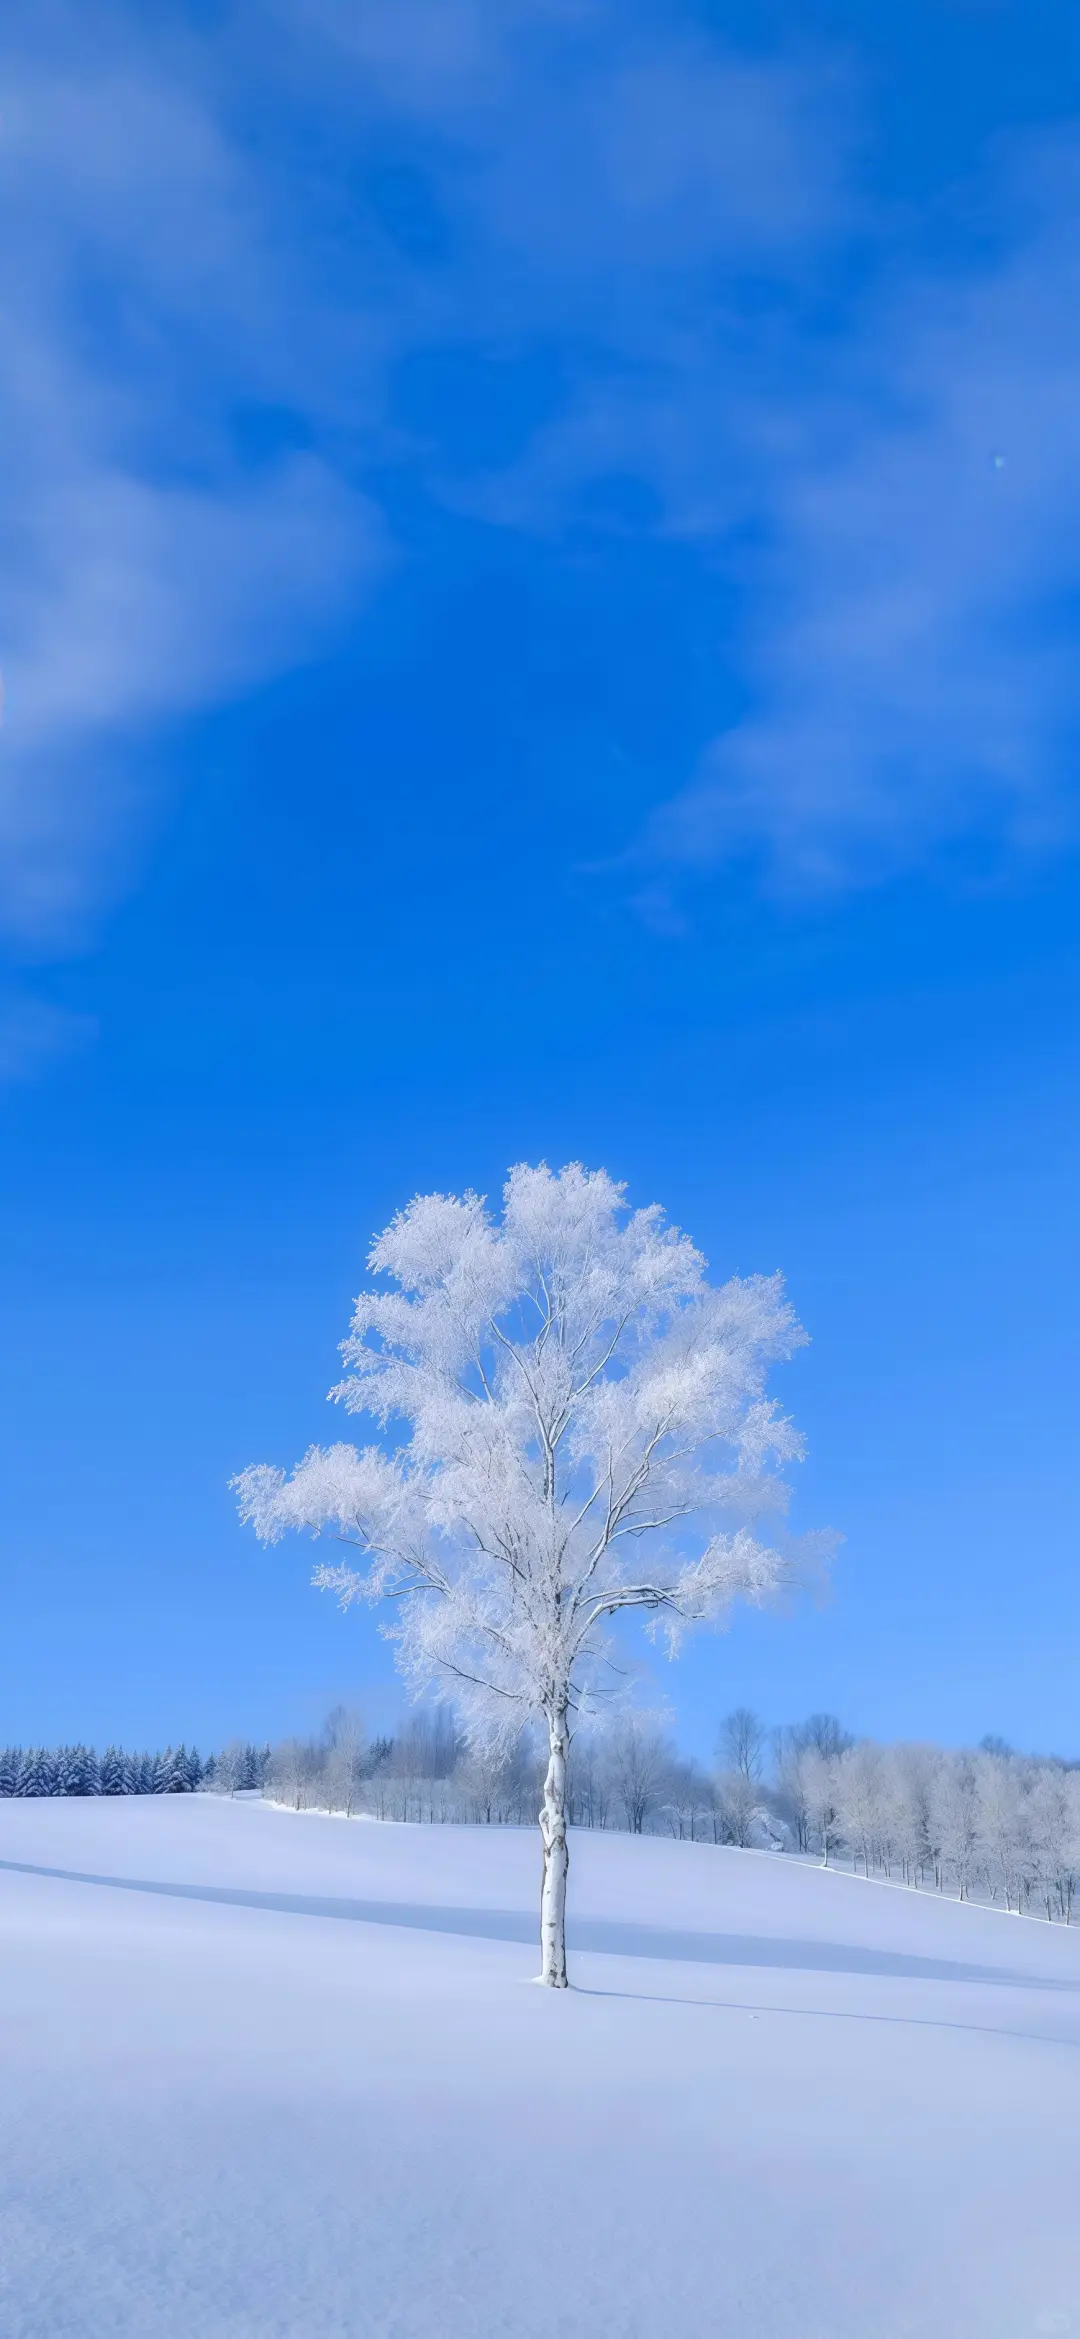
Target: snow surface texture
[{"x": 275, "y": 2074}]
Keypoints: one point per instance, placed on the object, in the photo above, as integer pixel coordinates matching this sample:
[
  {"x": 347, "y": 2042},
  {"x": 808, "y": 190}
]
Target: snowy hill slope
[{"x": 270, "y": 2074}]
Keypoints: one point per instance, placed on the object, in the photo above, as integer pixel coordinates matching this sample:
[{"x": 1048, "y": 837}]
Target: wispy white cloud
[
  {"x": 148, "y": 570},
  {"x": 191, "y": 246},
  {"x": 895, "y": 500},
  {"x": 596, "y": 159},
  {"x": 908, "y": 628},
  {"x": 895, "y": 497},
  {"x": 619, "y": 183},
  {"x": 147, "y": 601}
]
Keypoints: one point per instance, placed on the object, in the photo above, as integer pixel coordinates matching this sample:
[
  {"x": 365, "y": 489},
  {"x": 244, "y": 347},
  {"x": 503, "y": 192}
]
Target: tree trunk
[{"x": 556, "y": 1857}]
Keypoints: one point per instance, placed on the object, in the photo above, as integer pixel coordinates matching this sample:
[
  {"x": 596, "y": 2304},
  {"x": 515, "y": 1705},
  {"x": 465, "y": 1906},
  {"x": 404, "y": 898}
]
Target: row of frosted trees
[
  {"x": 78, "y": 1770},
  {"x": 629, "y": 1777},
  {"x": 989, "y": 1824}
]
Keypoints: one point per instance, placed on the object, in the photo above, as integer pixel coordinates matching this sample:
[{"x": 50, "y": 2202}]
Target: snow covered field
[{"x": 777, "y": 2105}]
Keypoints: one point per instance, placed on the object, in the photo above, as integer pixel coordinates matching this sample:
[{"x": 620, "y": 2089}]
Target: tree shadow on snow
[
  {"x": 845, "y": 2013},
  {"x": 603, "y": 1936}
]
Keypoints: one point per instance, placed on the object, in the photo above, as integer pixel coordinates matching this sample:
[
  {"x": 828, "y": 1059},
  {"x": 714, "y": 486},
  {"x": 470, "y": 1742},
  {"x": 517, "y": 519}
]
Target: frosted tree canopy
[{"x": 575, "y": 1423}]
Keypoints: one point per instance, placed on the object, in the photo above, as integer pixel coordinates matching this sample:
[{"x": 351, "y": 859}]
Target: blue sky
[{"x": 538, "y": 608}]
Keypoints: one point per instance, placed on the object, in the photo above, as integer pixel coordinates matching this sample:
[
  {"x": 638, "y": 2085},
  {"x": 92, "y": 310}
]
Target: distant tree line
[
  {"x": 79, "y": 1770},
  {"x": 425, "y": 1772},
  {"x": 629, "y": 1777},
  {"x": 987, "y": 1824}
]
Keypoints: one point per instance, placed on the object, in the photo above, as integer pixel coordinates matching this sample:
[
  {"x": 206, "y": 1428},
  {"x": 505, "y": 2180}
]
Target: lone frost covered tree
[{"x": 575, "y": 1424}]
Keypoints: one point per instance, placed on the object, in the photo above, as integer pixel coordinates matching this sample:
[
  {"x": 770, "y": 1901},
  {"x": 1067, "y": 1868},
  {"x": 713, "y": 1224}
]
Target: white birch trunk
[{"x": 556, "y": 1857}]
